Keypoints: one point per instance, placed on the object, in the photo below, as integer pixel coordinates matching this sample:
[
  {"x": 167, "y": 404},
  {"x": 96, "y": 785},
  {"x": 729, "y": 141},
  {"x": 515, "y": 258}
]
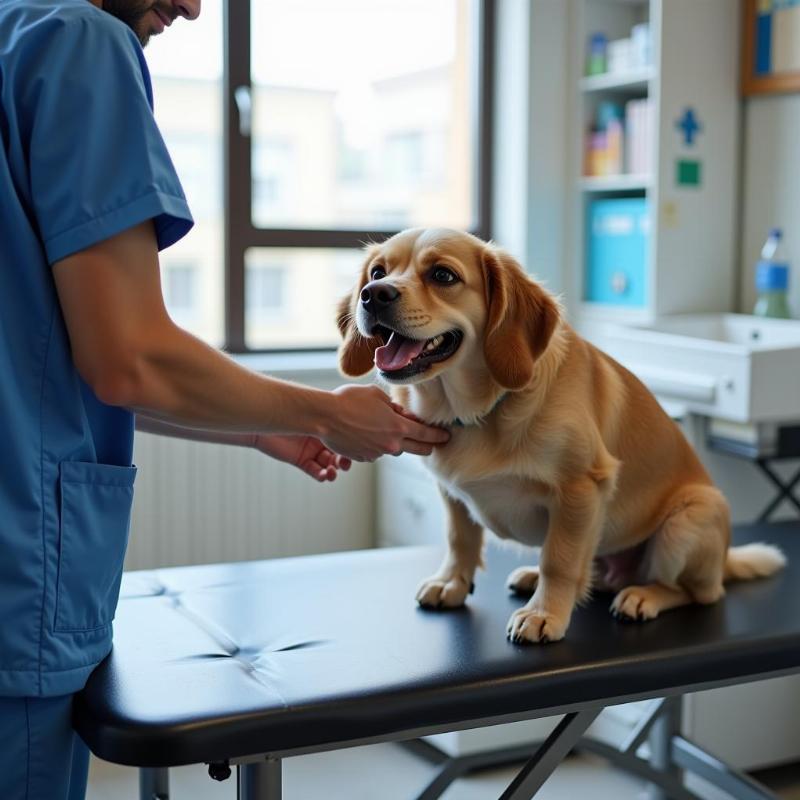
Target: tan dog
[{"x": 553, "y": 442}]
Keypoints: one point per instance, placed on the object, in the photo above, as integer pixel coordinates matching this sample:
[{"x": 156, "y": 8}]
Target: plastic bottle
[
  {"x": 772, "y": 279},
  {"x": 596, "y": 55},
  {"x": 615, "y": 146}
]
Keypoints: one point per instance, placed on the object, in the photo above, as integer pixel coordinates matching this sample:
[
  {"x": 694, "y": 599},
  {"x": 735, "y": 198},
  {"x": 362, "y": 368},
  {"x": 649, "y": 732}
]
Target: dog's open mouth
[{"x": 401, "y": 357}]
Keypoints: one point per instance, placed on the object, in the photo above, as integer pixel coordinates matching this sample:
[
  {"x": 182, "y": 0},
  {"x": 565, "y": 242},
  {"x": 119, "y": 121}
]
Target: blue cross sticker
[{"x": 690, "y": 125}]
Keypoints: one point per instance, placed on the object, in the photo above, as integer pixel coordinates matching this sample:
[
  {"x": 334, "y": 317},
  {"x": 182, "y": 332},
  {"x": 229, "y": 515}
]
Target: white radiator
[{"x": 199, "y": 503}]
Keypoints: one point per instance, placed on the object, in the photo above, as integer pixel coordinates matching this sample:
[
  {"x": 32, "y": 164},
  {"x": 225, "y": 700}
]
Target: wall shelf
[
  {"x": 637, "y": 80},
  {"x": 614, "y": 183}
]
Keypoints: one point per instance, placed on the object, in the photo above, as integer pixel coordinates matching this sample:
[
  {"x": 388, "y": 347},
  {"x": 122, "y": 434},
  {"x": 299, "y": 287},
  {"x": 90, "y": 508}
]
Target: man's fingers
[
  {"x": 426, "y": 433},
  {"x": 417, "y": 448},
  {"x": 326, "y": 458},
  {"x": 321, "y": 474},
  {"x": 404, "y": 412},
  {"x": 330, "y": 459}
]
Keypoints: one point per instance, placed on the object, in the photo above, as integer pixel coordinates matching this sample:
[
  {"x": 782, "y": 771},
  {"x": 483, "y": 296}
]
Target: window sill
[{"x": 316, "y": 367}]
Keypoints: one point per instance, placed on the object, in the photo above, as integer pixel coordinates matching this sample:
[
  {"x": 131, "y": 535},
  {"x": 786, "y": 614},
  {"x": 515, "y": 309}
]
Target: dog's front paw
[
  {"x": 523, "y": 580},
  {"x": 439, "y": 593},
  {"x": 526, "y": 625},
  {"x": 634, "y": 603}
]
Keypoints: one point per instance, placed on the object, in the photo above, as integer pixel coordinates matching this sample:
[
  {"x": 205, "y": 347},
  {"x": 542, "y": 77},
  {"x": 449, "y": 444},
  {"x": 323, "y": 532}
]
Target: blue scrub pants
[{"x": 41, "y": 756}]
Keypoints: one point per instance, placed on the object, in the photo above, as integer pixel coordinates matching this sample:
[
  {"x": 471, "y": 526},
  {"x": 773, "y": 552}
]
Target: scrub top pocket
[{"x": 95, "y": 517}]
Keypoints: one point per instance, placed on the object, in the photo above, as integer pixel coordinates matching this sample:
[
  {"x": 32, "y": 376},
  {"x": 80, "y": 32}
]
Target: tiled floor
[{"x": 388, "y": 772}]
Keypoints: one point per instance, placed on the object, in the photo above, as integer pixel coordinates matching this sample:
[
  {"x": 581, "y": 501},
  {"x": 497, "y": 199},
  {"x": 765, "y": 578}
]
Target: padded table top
[{"x": 229, "y": 660}]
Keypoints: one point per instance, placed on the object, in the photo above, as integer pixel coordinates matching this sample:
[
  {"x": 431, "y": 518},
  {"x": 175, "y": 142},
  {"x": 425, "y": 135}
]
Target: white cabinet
[
  {"x": 410, "y": 508},
  {"x": 752, "y": 726},
  {"x": 689, "y": 191}
]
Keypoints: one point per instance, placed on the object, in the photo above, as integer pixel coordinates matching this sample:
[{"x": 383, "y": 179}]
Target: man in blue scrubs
[{"x": 88, "y": 196}]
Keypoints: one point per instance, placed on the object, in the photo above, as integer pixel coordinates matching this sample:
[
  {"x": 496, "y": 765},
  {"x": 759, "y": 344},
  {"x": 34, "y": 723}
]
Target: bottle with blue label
[
  {"x": 596, "y": 55},
  {"x": 772, "y": 279}
]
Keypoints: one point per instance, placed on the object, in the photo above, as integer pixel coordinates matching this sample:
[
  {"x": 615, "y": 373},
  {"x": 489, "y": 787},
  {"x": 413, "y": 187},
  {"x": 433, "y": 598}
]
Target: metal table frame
[
  {"x": 669, "y": 755},
  {"x": 785, "y": 488}
]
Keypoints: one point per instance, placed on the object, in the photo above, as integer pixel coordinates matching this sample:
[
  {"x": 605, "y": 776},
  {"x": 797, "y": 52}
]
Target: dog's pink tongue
[{"x": 397, "y": 353}]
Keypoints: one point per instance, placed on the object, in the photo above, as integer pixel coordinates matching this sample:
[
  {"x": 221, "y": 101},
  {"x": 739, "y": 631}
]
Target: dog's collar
[{"x": 457, "y": 423}]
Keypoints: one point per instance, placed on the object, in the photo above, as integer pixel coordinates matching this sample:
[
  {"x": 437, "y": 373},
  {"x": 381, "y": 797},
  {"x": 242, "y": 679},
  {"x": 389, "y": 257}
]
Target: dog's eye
[
  {"x": 443, "y": 275},
  {"x": 376, "y": 273}
]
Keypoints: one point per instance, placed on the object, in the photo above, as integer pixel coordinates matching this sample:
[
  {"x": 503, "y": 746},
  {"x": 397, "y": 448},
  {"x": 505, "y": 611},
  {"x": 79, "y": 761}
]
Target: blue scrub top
[{"x": 81, "y": 160}]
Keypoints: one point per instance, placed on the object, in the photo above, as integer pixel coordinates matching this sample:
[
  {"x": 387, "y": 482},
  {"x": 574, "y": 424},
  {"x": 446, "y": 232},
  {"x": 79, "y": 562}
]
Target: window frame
[{"x": 239, "y": 232}]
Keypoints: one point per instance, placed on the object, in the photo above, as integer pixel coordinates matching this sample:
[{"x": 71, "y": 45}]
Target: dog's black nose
[{"x": 377, "y": 295}]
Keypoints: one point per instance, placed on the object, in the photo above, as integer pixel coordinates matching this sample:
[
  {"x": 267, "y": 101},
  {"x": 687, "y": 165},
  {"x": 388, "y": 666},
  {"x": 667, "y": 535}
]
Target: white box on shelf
[{"x": 619, "y": 56}]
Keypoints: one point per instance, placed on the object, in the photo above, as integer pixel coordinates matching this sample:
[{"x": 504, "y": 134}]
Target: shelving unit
[
  {"x": 688, "y": 260},
  {"x": 635, "y": 80},
  {"x": 615, "y": 183}
]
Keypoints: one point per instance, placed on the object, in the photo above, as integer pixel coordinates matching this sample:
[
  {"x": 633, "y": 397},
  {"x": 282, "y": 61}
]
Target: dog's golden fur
[{"x": 555, "y": 444}]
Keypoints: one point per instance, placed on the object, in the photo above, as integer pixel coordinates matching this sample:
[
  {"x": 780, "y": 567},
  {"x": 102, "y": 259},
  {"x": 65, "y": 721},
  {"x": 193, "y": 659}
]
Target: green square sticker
[{"x": 688, "y": 172}]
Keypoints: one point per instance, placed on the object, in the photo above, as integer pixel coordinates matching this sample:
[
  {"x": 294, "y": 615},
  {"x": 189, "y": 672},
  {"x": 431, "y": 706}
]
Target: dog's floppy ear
[
  {"x": 356, "y": 353},
  {"x": 521, "y": 319}
]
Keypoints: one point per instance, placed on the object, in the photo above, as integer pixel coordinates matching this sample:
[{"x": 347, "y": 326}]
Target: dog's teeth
[{"x": 434, "y": 343}]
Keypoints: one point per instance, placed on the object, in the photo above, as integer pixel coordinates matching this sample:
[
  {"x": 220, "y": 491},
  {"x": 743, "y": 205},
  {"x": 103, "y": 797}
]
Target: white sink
[
  {"x": 743, "y": 330},
  {"x": 733, "y": 366}
]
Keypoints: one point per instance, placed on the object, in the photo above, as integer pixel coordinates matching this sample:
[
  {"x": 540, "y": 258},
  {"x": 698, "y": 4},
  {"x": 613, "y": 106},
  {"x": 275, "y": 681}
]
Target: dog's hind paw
[
  {"x": 634, "y": 603},
  {"x": 523, "y": 580}
]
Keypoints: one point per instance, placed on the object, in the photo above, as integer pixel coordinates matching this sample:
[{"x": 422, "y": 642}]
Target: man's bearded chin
[{"x": 132, "y": 13}]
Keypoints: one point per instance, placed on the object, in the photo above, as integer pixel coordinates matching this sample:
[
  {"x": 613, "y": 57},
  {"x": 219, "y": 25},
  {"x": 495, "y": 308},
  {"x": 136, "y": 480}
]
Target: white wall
[
  {"x": 530, "y": 134},
  {"x": 771, "y": 187},
  {"x": 770, "y": 192},
  {"x": 200, "y": 503}
]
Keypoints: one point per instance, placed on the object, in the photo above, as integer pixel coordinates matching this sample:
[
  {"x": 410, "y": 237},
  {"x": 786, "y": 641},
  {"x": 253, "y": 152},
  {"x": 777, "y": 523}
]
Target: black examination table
[{"x": 245, "y": 664}]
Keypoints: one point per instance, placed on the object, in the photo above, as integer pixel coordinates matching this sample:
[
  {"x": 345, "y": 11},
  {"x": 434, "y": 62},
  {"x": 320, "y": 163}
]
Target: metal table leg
[
  {"x": 785, "y": 490},
  {"x": 154, "y": 783},
  {"x": 722, "y": 775},
  {"x": 557, "y": 745},
  {"x": 634, "y": 765},
  {"x": 451, "y": 768},
  {"x": 260, "y": 780},
  {"x": 666, "y": 725}
]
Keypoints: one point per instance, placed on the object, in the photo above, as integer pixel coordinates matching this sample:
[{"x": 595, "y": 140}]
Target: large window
[
  {"x": 187, "y": 70},
  {"x": 315, "y": 126}
]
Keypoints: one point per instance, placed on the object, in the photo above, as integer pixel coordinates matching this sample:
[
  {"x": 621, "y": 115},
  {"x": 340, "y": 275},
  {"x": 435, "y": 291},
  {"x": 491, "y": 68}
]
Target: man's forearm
[
  {"x": 179, "y": 380},
  {"x": 150, "y": 424},
  {"x": 128, "y": 350}
]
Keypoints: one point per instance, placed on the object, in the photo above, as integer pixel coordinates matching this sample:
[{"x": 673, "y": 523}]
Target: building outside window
[
  {"x": 266, "y": 289},
  {"x": 351, "y": 135},
  {"x": 180, "y": 287}
]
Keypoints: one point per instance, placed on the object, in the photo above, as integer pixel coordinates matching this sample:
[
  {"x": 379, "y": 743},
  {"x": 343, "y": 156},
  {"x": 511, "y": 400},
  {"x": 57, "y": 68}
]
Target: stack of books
[
  {"x": 754, "y": 439},
  {"x": 639, "y": 136}
]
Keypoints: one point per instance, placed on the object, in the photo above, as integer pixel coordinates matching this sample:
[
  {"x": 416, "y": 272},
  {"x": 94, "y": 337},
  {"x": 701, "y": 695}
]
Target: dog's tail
[{"x": 757, "y": 560}]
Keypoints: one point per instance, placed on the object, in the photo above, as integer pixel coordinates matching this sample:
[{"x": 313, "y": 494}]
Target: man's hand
[
  {"x": 305, "y": 453},
  {"x": 365, "y": 424},
  {"x": 131, "y": 354}
]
